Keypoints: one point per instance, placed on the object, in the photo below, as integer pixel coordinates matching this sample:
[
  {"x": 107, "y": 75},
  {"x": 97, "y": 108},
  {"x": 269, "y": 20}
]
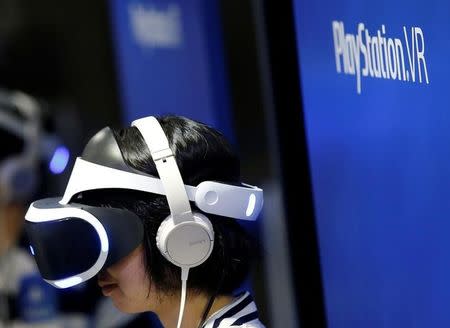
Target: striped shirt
[{"x": 241, "y": 312}]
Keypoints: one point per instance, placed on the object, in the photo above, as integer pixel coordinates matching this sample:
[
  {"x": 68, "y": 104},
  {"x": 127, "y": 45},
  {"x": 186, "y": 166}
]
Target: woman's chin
[{"x": 125, "y": 306}]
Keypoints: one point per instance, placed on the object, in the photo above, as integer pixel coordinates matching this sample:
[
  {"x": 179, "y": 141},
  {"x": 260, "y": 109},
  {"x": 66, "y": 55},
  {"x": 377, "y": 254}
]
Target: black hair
[{"x": 202, "y": 153}]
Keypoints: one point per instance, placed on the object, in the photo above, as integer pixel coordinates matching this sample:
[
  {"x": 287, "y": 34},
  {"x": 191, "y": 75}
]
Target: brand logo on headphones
[{"x": 201, "y": 241}]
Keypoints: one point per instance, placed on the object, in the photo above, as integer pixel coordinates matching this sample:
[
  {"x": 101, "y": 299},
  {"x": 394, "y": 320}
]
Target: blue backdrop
[
  {"x": 170, "y": 60},
  {"x": 376, "y": 101}
]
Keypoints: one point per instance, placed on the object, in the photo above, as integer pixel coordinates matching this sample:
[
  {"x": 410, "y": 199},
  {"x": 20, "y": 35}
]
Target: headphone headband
[{"x": 167, "y": 167}]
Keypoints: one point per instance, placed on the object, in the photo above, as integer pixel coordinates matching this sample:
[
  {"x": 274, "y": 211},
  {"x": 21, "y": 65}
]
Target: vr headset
[{"x": 72, "y": 242}]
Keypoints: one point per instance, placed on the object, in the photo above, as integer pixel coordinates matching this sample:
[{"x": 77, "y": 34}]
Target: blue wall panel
[
  {"x": 376, "y": 102},
  {"x": 170, "y": 60}
]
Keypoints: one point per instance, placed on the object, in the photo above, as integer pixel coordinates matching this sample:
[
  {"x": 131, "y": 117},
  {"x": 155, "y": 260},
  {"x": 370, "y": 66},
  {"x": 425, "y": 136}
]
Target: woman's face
[{"x": 127, "y": 283}]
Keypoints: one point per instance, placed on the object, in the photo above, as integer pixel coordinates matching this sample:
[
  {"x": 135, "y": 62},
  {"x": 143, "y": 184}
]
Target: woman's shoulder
[
  {"x": 250, "y": 324},
  {"x": 242, "y": 312}
]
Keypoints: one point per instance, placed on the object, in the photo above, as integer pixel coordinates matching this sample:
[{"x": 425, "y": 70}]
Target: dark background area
[{"x": 64, "y": 53}]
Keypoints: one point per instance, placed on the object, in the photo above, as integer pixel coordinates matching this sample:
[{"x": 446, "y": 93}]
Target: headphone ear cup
[
  {"x": 187, "y": 244},
  {"x": 18, "y": 178}
]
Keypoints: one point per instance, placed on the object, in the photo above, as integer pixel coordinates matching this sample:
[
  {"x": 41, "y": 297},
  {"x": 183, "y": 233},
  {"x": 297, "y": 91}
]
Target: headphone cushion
[{"x": 186, "y": 244}]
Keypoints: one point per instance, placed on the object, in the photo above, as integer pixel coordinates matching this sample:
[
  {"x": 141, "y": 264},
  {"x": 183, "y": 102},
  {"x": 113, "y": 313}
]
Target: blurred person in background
[{"x": 25, "y": 299}]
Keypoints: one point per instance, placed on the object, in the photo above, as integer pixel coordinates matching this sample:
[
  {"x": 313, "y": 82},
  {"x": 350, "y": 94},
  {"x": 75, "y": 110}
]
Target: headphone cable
[{"x": 184, "y": 277}]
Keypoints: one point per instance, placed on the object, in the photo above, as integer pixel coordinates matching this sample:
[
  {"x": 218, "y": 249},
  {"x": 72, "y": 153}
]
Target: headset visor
[
  {"x": 72, "y": 243},
  {"x": 64, "y": 247}
]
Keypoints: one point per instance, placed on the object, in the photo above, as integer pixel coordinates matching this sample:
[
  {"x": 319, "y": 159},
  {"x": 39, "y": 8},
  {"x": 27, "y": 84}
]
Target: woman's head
[{"x": 201, "y": 154}]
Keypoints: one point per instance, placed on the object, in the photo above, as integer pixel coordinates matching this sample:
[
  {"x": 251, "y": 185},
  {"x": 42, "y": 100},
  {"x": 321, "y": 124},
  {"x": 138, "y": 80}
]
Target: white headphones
[{"x": 185, "y": 238}]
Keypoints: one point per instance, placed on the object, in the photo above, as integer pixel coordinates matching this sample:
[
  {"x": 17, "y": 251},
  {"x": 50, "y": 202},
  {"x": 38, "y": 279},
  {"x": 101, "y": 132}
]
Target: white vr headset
[
  {"x": 238, "y": 202},
  {"x": 73, "y": 242}
]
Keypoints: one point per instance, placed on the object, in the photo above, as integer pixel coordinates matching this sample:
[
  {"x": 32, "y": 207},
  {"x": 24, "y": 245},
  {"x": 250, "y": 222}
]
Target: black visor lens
[{"x": 63, "y": 248}]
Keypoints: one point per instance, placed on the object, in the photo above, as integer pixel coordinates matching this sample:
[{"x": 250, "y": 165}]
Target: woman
[{"x": 145, "y": 279}]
